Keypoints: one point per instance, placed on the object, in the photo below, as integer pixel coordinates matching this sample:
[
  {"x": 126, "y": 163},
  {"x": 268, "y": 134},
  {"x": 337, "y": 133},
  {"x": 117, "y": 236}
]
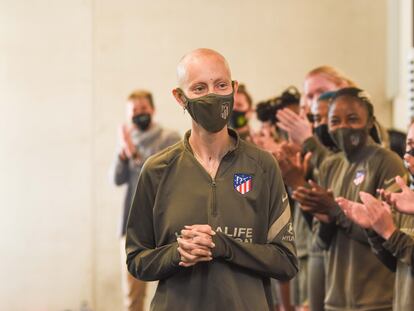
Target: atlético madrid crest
[
  {"x": 242, "y": 183},
  {"x": 359, "y": 177}
]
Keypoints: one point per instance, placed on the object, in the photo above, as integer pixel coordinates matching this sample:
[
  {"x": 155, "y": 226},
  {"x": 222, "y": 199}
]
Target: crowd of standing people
[{"x": 313, "y": 211}]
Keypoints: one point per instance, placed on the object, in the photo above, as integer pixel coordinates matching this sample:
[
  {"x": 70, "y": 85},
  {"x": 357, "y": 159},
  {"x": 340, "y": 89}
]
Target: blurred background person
[
  {"x": 267, "y": 110},
  {"x": 242, "y": 113},
  {"x": 409, "y": 153},
  {"x": 318, "y": 81},
  {"x": 397, "y": 142},
  {"x": 140, "y": 137},
  {"x": 291, "y": 295},
  {"x": 308, "y": 287},
  {"x": 319, "y": 118}
]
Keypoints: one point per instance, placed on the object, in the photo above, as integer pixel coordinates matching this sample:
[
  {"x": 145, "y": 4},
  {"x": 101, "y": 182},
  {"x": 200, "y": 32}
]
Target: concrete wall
[{"x": 65, "y": 70}]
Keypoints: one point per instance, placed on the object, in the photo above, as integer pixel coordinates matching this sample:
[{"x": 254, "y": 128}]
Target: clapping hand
[
  {"x": 372, "y": 214},
  {"x": 403, "y": 201},
  {"x": 298, "y": 127},
  {"x": 292, "y": 166},
  {"x": 316, "y": 200}
]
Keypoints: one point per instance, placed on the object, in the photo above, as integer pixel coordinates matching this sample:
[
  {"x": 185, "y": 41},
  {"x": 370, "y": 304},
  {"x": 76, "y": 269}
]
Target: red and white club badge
[
  {"x": 242, "y": 183},
  {"x": 359, "y": 178}
]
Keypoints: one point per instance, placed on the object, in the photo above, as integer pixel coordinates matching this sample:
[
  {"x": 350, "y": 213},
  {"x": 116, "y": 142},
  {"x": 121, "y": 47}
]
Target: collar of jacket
[{"x": 232, "y": 134}]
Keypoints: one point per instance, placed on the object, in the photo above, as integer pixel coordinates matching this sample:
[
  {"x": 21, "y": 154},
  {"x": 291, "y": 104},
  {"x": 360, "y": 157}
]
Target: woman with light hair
[{"x": 323, "y": 79}]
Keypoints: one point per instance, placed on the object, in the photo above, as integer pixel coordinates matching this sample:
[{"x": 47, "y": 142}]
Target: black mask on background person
[
  {"x": 142, "y": 121},
  {"x": 410, "y": 152},
  {"x": 324, "y": 137},
  {"x": 407, "y": 166},
  {"x": 349, "y": 139},
  {"x": 211, "y": 111},
  {"x": 238, "y": 119}
]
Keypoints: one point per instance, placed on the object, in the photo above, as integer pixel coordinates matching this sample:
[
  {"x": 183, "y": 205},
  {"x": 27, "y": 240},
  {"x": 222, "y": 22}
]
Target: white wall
[
  {"x": 400, "y": 47},
  {"x": 65, "y": 70},
  {"x": 46, "y": 155}
]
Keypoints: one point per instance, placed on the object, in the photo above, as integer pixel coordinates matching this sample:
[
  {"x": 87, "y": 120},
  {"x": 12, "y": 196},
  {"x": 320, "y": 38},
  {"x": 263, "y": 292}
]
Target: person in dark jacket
[
  {"x": 210, "y": 217},
  {"x": 356, "y": 278},
  {"x": 391, "y": 232}
]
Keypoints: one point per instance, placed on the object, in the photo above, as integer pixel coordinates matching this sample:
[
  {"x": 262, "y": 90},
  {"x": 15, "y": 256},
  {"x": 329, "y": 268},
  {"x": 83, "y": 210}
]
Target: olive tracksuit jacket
[
  {"x": 400, "y": 246},
  {"x": 356, "y": 278},
  {"x": 247, "y": 206},
  {"x": 310, "y": 286}
]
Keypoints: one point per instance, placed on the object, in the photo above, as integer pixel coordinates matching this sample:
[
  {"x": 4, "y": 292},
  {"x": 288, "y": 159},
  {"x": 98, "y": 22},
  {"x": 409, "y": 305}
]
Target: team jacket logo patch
[
  {"x": 242, "y": 183},
  {"x": 359, "y": 178}
]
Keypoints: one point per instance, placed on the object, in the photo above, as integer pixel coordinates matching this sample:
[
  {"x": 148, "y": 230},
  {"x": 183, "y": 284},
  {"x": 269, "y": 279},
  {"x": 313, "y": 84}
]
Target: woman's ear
[
  {"x": 179, "y": 97},
  {"x": 371, "y": 122},
  {"x": 235, "y": 86}
]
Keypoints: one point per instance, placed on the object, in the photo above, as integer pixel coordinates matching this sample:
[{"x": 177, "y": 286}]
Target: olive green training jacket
[
  {"x": 400, "y": 246},
  {"x": 356, "y": 278},
  {"x": 246, "y": 204}
]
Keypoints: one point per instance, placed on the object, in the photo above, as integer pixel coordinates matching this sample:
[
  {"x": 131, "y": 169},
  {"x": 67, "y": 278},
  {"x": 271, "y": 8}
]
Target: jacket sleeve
[
  {"x": 401, "y": 246},
  {"x": 146, "y": 260},
  {"x": 325, "y": 233},
  {"x": 276, "y": 258},
  {"x": 351, "y": 229},
  {"x": 319, "y": 151},
  {"x": 385, "y": 256},
  {"x": 120, "y": 171},
  {"x": 391, "y": 166},
  {"x": 339, "y": 220}
]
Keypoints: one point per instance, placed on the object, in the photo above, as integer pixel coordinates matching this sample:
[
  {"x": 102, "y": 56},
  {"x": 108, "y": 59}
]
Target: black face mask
[
  {"x": 238, "y": 119},
  {"x": 142, "y": 121},
  {"x": 324, "y": 137},
  {"x": 407, "y": 166},
  {"x": 410, "y": 152},
  {"x": 349, "y": 139},
  {"x": 211, "y": 111}
]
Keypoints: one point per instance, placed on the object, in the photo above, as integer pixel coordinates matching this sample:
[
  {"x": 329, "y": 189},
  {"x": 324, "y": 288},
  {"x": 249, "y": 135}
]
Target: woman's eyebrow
[{"x": 352, "y": 114}]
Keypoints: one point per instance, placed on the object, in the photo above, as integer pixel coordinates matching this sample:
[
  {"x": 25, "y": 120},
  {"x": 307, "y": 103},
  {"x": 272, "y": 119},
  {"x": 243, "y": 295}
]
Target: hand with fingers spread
[
  {"x": 264, "y": 138},
  {"x": 195, "y": 244},
  {"x": 316, "y": 200},
  {"x": 402, "y": 201},
  {"x": 128, "y": 148},
  {"x": 293, "y": 169},
  {"x": 298, "y": 127},
  {"x": 357, "y": 212},
  {"x": 380, "y": 214},
  {"x": 370, "y": 214}
]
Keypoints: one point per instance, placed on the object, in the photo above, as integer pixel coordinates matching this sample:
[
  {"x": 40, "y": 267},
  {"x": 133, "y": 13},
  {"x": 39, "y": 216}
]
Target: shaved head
[{"x": 197, "y": 58}]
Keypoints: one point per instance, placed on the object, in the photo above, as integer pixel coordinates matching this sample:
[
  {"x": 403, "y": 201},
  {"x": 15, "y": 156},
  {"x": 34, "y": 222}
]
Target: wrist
[
  {"x": 122, "y": 156},
  {"x": 305, "y": 137},
  {"x": 298, "y": 183},
  {"x": 386, "y": 234},
  {"x": 333, "y": 212}
]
